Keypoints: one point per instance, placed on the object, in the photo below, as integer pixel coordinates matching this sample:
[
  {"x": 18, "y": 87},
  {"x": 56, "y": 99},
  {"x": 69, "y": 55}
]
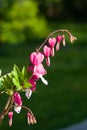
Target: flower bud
[{"x": 10, "y": 115}]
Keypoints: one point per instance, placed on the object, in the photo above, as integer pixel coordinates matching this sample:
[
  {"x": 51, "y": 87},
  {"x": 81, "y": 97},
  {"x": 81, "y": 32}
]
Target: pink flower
[
  {"x": 47, "y": 52},
  {"x": 17, "y": 99},
  {"x": 59, "y": 38},
  {"x": 18, "y": 102},
  {"x": 31, "y": 119},
  {"x": 10, "y": 115},
  {"x": 63, "y": 40},
  {"x": 30, "y": 68},
  {"x": 52, "y": 42},
  {"x": 39, "y": 72},
  {"x": 36, "y": 58},
  {"x": 33, "y": 83},
  {"x": 28, "y": 92}
]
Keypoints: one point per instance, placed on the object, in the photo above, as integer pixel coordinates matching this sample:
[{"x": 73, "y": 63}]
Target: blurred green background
[{"x": 24, "y": 24}]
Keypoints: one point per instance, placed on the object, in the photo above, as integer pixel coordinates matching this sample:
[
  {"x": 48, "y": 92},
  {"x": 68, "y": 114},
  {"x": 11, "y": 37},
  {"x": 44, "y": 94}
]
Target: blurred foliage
[{"x": 20, "y": 20}]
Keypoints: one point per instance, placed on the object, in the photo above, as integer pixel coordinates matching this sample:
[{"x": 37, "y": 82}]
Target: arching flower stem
[{"x": 72, "y": 38}]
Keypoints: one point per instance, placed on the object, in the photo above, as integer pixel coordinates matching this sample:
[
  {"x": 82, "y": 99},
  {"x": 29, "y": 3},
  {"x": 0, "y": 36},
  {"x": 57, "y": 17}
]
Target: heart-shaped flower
[
  {"x": 36, "y": 58},
  {"x": 47, "y": 52}
]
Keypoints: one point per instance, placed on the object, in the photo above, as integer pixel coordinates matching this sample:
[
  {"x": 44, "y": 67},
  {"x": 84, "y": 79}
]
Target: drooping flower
[
  {"x": 52, "y": 42},
  {"x": 17, "y": 108},
  {"x": 72, "y": 38},
  {"x": 63, "y": 40},
  {"x": 10, "y": 115},
  {"x": 39, "y": 72},
  {"x": 47, "y": 52},
  {"x": 18, "y": 102},
  {"x": 59, "y": 38},
  {"x": 28, "y": 93},
  {"x": 30, "y": 118},
  {"x": 33, "y": 83},
  {"x": 36, "y": 58},
  {"x": 17, "y": 99}
]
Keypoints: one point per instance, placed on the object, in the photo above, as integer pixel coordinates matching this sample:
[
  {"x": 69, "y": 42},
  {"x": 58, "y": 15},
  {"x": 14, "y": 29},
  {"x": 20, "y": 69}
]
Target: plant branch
[
  {"x": 6, "y": 109},
  {"x": 45, "y": 41}
]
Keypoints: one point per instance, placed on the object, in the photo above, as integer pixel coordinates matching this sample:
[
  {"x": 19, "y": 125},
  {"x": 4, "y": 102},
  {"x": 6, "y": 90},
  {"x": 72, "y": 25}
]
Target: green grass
[{"x": 64, "y": 101}]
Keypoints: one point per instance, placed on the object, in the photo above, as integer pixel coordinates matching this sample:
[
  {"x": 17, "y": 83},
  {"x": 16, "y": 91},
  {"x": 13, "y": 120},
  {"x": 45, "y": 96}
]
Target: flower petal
[
  {"x": 36, "y": 58},
  {"x": 17, "y": 109},
  {"x": 52, "y": 42},
  {"x": 28, "y": 93},
  {"x": 44, "y": 80}
]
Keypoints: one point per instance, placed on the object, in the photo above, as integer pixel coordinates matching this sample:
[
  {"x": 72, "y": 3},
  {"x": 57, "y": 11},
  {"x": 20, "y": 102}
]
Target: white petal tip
[{"x": 44, "y": 80}]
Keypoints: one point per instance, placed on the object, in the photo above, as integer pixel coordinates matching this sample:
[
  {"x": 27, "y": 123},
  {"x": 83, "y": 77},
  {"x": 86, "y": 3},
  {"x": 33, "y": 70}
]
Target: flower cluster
[
  {"x": 25, "y": 81},
  {"x": 36, "y": 59}
]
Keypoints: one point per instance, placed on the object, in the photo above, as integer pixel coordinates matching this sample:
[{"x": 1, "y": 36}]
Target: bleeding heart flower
[
  {"x": 10, "y": 115},
  {"x": 17, "y": 99},
  {"x": 33, "y": 83},
  {"x": 28, "y": 93},
  {"x": 39, "y": 72},
  {"x": 36, "y": 58},
  {"x": 31, "y": 119},
  {"x": 17, "y": 108},
  {"x": 52, "y": 42},
  {"x": 47, "y": 52},
  {"x": 59, "y": 39},
  {"x": 63, "y": 40},
  {"x": 18, "y": 102}
]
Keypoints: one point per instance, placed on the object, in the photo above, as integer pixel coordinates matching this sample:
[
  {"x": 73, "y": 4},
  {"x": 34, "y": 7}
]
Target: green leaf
[
  {"x": 17, "y": 84},
  {"x": 27, "y": 85},
  {"x": 9, "y": 80},
  {"x": 25, "y": 75},
  {"x": 15, "y": 74},
  {"x": 6, "y": 83},
  {"x": 1, "y": 85},
  {"x": 16, "y": 71}
]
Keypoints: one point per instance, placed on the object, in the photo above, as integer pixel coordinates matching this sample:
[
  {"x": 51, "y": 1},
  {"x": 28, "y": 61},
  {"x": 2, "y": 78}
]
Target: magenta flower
[
  {"x": 36, "y": 58},
  {"x": 47, "y": 52},
  {"x": 10, "y": 115},
  {"x": 59, "y": 39},
  {"x": 33, "y": 83},
  {"x": 17, "y": 99},
  {"x": 52, "y": 42},
  {"x": 18, "y": 102},
  {"x": 30, "y": 68}
]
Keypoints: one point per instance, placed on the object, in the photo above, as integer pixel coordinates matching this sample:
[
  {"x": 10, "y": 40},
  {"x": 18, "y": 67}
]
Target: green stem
[{"x": 6, "y": 109}]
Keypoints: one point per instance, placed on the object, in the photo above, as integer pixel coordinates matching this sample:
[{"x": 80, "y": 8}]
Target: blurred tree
[{"x": 20, "y": 21}]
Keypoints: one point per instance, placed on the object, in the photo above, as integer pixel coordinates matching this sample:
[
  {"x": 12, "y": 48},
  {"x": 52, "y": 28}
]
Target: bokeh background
[{"x": 24, "y": 24}]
